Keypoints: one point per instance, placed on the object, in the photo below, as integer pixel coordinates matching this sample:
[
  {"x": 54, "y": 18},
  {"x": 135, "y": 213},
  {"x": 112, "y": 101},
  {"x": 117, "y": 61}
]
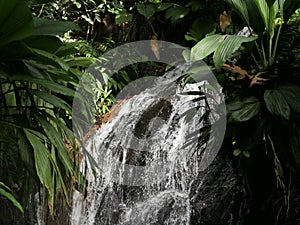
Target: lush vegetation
[{"x": 46, "y": 46}]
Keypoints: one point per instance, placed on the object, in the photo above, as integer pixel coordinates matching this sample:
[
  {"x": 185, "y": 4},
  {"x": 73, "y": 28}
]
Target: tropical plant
[
  {"x": 263, "y": 99},
  {"x": 38, "y": 75}
]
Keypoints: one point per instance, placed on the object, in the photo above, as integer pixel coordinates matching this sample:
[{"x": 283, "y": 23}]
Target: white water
[{"x": 144, "y": 175}]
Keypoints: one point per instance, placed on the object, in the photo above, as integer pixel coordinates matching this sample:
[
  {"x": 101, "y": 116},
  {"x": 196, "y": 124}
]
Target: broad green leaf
[
  {"x": 149, "y": 10},
  {"x": 42, "y": 159},
  {"x": 54, "y": 87},
  {"x": 26, "y": 153},
  {"x": 47, "y": 27},
  {"x": 225, "y": 49},
  {"x": 291, "y": 93},
  {"x": 50, "y": 58},
  {"x": 57, "y": 140},
  {"x": 176, "y": 13},
  {"x": 205, "y": 47},
  {"x": 146, "y": 10},
  {"x": 276, "y": 103},
  {"x": 256, "y": 21},
  {"x": 67, "y": 49},
  {"x": 81, "y": 61},
  {"x": 50, "y": 85},
  {"x": 243, "y": 110},
  {"x": 163, "y": 6},
  {"x": 55, "y": 101},
  {"x": 45, "y": 43},
  {"x": 240, "y": 7},
  {"x": 268, "y": 14},
  {"x": 201, "y": 27},
  {"x": 15, "y": 21},
  {"x": 270, "y": 2}
]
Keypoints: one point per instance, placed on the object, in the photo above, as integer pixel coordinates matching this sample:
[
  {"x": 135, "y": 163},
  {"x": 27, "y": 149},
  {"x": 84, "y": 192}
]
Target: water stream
[{"x": 149, "y": 155}]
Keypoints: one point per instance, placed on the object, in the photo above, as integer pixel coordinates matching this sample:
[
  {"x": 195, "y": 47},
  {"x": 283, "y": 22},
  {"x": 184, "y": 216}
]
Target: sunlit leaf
[
  {"x": 225, "y": 49},
  {"x": 205, "y": 47}
]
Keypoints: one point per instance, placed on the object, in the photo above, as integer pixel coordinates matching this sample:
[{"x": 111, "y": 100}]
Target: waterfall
[{"x": 149, "y": 154}]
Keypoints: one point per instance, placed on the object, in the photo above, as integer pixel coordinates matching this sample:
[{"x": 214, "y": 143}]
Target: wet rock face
[
  {"x": 159, "y": 109},
  {"x": 216, "y": 195},
  {"x": 147, "y": 169}
]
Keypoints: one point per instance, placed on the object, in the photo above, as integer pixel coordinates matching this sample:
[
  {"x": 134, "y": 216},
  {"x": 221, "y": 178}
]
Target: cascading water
[{"x": 149, "y": 155}]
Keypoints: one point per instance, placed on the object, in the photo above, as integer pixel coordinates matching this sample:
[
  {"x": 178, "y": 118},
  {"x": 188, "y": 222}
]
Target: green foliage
[
  {"x": 37, "y": 85},
  {"x": 276, "y": 103},
  {"x": 262, "y": 98},
  {"x": 243, "y": 110},
  {"x": 5, "y": 191}
]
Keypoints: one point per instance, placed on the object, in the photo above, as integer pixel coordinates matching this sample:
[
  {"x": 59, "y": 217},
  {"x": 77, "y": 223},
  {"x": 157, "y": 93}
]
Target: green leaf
[
  {"x": 15, "y": 21},
  {"x": 123, "y": 17},
  {"x": 268, "y": 14},
  {"x": 240, "y": 7},
  {"x": 205, "y": 47},
  {"x": 225, "y": 50},
  {"x": 256, "y": 21},
  {"x": 44, "y": 26},
  {"x": 42, "y": 159},
  {"x": 163, "y": 6},
  {"x": 243, "y": 110},
  {"x": 276, "y": 103},
  {"x": 270, "y": 2},
  {"x": 55, "y": 101},
  {"x": 201, "y": 27},
  {"x": 67, "y": 49},
  {"x": 26, "y": 153},
  {"x": 58, "y": 141},
  {"x": 246, "y": 153},
  {"x": 45, "y": 43},
  {"x": 176, "y": 13},
  {"x": 10, "y": 197},
  {"x": 81, "y": 61},
  {"x": 146, "y": 10},
  {"x": 54, "y": 87},
  {"x": 291, "y": 93},
  {"x": 50, "y": 58},
  {"x": 237, "y": 152}
]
